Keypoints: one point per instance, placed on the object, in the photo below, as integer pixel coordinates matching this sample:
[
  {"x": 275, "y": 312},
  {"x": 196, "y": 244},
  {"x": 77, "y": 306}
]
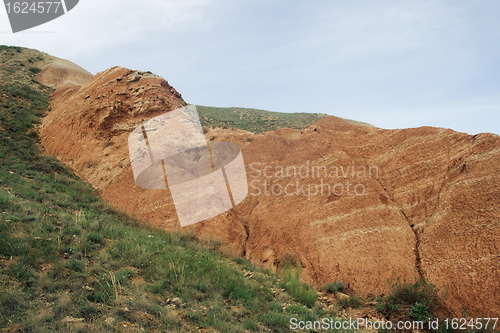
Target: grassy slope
[
  {"x": 258, "y": 121},
  {"x": 254, "y": 120},
  {"x": 68, "y": 261}
]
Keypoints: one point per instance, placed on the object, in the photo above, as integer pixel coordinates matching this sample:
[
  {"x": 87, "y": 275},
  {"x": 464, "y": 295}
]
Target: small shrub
[
  {"x": 155, "y": 310},
  {"x": 334, "y": 287},
  {"x": 421, "y": 298},
  {"x": 421, "y": 292},
  {"x": 12, "y": 218},
  {"x": 353, "y": 302},
  {"x": 274, "y": 320},
  {"x": 89, "y": 311},
  {"x": 21, "y": 271},
  {"x": 393, "y": 307},
  {"x": 95, "y": 237},
  {"x": 35, "y": 70},
  {"x": 48, "y": 164},
  {"x": 289, "y": 260},
  {"x": 63, "y": 307},
  {"x": 251, "y": 324},
  {"x": 420, "y": 312},
  {"x": 11, "y": 304},
  {"x": 300, "y": 291},
  {"x": 297, "y": 309},
  {"x": 123, "y": 276},
  {"x": 275, "y": 307},
  {"x": 240, "y": 261},
  {"x": 238, "y": 289},
  {"x": 75, "y": 265},
  {"x": 202, "y": 287},
  {"x": 98, "y": 297}
]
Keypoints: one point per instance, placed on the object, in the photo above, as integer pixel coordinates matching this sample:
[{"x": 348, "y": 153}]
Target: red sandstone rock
[{"x": 426, "y": 205}]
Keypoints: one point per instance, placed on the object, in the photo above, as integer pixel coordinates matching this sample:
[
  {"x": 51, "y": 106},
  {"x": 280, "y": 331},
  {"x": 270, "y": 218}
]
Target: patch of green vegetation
[
  {"x": 253, "y": 120},
  {"x": 301, "y": 292},
  {"x": 11, "y": 49},
  {"x": 353, "y": 302},
  {"x": 34, "y": 70},
  {"x": 64, "y": 253},
  {"x": 334, "y": 287},
  {"x": 13, "y": 63},
  {"x": 420, "y": 312},
  {"x": 419, "y": 299}
]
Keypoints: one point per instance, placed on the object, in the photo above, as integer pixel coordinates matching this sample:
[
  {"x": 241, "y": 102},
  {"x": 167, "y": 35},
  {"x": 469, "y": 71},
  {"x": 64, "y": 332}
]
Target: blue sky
[{"x": 394, "y": 64}]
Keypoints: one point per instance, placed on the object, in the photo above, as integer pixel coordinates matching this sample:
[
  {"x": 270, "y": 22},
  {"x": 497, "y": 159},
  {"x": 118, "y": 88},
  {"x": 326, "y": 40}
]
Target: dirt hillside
[
  {"x": 348, "y": 202},
  {"x": 58, "y": 73}
]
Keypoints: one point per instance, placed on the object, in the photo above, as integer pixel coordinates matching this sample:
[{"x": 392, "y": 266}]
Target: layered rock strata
[{"x": 349, "y": 202}]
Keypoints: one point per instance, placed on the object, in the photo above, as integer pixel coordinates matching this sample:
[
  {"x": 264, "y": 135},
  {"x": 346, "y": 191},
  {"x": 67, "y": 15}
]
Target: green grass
[
  {"x": 64, "y": 253},
  {"x": 353, "y": 302},
  {"x": 334, "y": 287},
  {"x": 35, "y": 70},
  {"x": 417, "y": 300},
  {"x": 253, "y": 120},
  {"x": 420, "y": 291},
  {"x": 301, "y": 292}
]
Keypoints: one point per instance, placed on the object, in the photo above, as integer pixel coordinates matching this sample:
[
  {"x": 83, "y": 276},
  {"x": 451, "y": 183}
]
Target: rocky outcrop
[
  {"x": 357, "y": 203},
  {"x": 431, "y": 211}
]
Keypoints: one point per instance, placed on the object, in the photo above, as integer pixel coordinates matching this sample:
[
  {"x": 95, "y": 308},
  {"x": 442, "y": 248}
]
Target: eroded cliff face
[
  {"x": 357, "y": 203},
  {"x": 431, "y": 212}
]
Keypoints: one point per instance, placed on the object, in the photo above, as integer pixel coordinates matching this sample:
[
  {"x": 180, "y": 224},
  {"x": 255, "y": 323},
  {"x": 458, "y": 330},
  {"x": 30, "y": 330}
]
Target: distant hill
[
  {"x": 258, "y": 121},
  {"x": 254, "y": 120}
]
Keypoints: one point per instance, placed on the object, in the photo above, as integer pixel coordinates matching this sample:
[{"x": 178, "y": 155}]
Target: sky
[{"x": 393, "y": 64}]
